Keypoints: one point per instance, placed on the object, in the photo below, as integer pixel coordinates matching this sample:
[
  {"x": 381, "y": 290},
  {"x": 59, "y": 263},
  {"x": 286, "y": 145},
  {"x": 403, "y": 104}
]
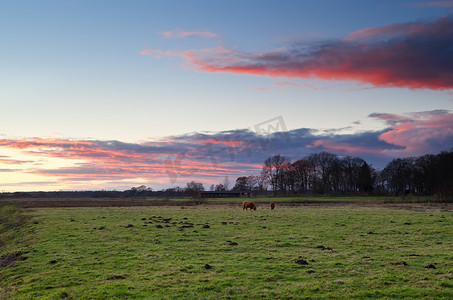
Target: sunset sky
[{"x": 115, "y": 94}]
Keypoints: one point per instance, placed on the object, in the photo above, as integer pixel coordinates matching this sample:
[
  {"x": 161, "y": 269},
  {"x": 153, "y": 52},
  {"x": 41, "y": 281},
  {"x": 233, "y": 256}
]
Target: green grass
[
  {"x": 13, "y": 230},
  {"x": 72, "y": 257},
  {"x": 321, "y": 199}
]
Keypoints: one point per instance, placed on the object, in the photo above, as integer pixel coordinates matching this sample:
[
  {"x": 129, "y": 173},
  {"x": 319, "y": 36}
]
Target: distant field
[
  {"x": 323, "y": 199},
  {"x": 126, "y": 202},
  {"x": 312, "y": 199},
  {"x": 214, "y": 252}
]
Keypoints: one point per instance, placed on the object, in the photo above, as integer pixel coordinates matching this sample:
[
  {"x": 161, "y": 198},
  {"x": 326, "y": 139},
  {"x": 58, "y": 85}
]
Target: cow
[
  {"x": 246, "y": 205},
  {"x": 272, "y": 205}
]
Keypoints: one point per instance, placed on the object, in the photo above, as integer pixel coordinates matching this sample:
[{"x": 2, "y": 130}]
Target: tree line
[{"x": 327, "y": 174}]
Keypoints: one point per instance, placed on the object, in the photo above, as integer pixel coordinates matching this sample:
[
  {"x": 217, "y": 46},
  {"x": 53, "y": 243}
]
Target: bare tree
[
  {"x": 226, "y": 183},
  {"x": 194, "y": 189},
  {"x": 273, "y": 169},
  {"x": 302, "y": 171}
]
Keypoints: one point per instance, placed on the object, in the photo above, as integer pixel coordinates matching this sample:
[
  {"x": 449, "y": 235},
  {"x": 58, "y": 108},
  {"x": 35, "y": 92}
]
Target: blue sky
[{"x": 79, "y": 72}]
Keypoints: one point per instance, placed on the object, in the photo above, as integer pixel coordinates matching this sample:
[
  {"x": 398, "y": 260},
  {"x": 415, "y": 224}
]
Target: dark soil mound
[
  {"x": 400, "y": 263},
  {"x": 430, "y": 266},
  {"x": 301, "y": 262}
]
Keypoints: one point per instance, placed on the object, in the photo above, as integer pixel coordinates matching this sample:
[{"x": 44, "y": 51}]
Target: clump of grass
[
  {"x": 13, "y": 236},
  {"x": 12, "y": 233},
  {"x": 11, "y": 217}
]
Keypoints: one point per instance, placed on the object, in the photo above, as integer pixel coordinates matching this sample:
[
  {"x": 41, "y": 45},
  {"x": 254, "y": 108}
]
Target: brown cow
[
  {"x": 246, "y": 205},
  {"x": 272, "y": 205}
]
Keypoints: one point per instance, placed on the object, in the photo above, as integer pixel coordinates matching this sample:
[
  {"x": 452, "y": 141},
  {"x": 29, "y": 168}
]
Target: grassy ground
[
  {"x": 123, "y": 253},
  {"x": 313, "y": 199},
  {"x": 310, "y": 199},
  {"x": 14, "y": 226}
]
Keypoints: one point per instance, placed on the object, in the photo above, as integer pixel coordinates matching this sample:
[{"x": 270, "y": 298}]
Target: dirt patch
[
  {"x": 430, "y": 266},
  {"x": 116, "y": 277},
  {"x": 323, "y": 248},
  {"x": 7, "y": 260},
  {"x": 400, "y": 263},
  {"x": 301, "y": 262}
]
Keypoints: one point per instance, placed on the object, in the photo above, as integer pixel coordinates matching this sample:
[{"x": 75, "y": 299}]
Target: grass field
[
  {"x": 322, "y": 199},
  {"x": 31, "y": 202},
  {"x": 223, "y": 252},
  {"x": 313, "y": 199}
]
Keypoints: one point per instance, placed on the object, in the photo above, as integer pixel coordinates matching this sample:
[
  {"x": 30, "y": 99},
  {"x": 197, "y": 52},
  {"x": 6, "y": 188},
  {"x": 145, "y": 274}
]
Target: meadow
[{"x": 222, "y": 252}]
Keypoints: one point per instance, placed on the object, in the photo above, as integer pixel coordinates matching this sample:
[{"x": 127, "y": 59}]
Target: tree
[
  {"x": 287, "y": 178},
  {"x": 220, "y": 187},
  {"x": 272, "y": 169},
  {"x": 425, "y": 176},
  {"x": 323, "y": 165},
  {"x": 252, "y": 182},
  {"x": 226, "y": 183},
  {"x": 444, "y": 176},
  {"x": 141, "y": 190},
  {"x": 351, "y": 171},
  {"x": 302, "y": 170},
  {"x": 194, "y": 188},
  {"x": 399, "y": 175},
  {"x": 365, "y": 179},
  {"x": 241, "y": 184},
  {"x": 262, "y": 183}
]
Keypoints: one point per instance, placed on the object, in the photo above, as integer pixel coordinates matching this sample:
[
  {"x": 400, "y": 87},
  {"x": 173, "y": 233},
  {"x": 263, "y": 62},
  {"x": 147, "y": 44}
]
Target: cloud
[
  {"x": 448, "y": 3},
  {"x": 37, "y": 184},
  {"x": 262, "y": 89},
  {"x": 8, "y": 161},
  {"x": 419, "y": 133},
  {"x": 179, "y": 33},
  {"x": 7, "y": 170},
  {"x": 415, "y": 55},
  {"x": 387, "y": 32},
  {"x": 284, "y": 84},
  {"x": 413, "y": 134},
  {"x": 210, "y": 156}
]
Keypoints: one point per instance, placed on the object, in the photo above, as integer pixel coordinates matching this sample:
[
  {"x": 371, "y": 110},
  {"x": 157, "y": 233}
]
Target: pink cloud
[
  {"x": 304, "y": 85},
  {"x": 261, "y": 89},
  {"x": 420, "y": 133},
  {"x": 387, "y": 32},
  {"x": 113, "y": 160},
  {"x": 287, "y": 83},
  {"x": 413, "y": 134},
  {"x": 412, "y": 55},
  {"x": 344, "y": 148},
  {"x": 9, "y": 161},
  {"x": 156, "y": 53},
  {"x": 179, "y": 33}
]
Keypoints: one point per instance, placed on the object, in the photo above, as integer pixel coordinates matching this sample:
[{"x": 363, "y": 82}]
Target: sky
[{"x": 114, "y": 94}]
